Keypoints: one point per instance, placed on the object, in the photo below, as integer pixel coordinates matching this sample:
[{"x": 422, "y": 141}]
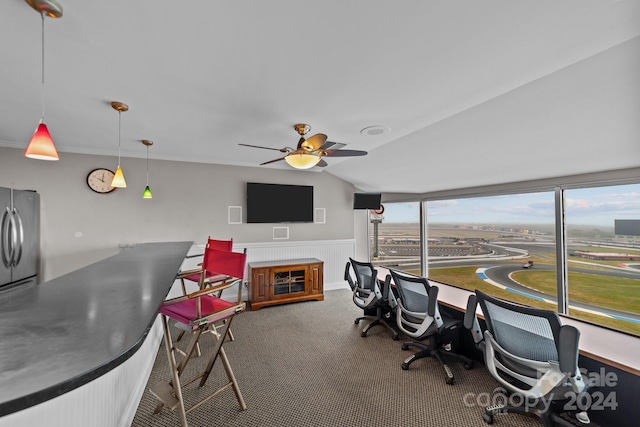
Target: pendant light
[
  {"x": 41, "y": 146},
  {"x": 118, "y": 178},
  {"x": 147, "y": 191}
]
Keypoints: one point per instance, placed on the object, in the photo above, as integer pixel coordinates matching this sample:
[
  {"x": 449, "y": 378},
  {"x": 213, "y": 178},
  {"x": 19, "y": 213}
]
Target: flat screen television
[
  {"x": 366, "y": 200},
  {"x": 277, "y": 203}
]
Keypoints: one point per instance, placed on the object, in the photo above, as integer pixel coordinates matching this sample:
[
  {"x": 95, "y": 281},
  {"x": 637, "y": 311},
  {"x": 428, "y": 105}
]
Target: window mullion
[{"x": 561, "y": 253}]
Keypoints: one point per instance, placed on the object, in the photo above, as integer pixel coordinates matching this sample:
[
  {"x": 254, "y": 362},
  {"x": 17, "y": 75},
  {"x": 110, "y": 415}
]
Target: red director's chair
[{"x": 201, "y": 311}]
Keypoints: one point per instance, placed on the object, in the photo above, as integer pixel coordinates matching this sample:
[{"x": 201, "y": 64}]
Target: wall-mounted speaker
[
  {"x": 280, "y": 233},
  {"x": 235, "y": 214},
  {"x": 319, "y": 216}
]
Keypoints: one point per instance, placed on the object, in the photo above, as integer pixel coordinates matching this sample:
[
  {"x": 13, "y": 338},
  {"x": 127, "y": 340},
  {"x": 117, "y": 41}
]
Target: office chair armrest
[
  {"x": 471, "y": 321},
  {"x": 433, "y": 301},
  {"x": 568, "y": 349},
  {"x": 347, "y": 276},
  {"x": 470, "y": 312}
]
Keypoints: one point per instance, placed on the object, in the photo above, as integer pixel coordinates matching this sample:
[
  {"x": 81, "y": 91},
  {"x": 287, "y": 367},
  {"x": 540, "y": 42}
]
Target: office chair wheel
[
  {"x": 405, "y": 347},
  {"x": 363, "y": 334},
  {"x": 405, "y": 366},
  {"x": 395, "y": 337},
  {"x": 449, "y": 380},
  {"x": 357, "y": 321},
  {"x": 487, "y": 418},
  {"x": 468, "y": 366}
]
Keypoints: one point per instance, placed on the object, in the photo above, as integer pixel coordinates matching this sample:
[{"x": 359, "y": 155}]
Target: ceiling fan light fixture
[
  {"x": 50, "y": 8},
  {"x": 301, "y": 160}
]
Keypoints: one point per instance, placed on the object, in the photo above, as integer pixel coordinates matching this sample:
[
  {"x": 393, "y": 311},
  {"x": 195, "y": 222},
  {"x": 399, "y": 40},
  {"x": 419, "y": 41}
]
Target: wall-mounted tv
[
  {"x": 276, "y": 203},
  {"x": 366, "y": 200}
]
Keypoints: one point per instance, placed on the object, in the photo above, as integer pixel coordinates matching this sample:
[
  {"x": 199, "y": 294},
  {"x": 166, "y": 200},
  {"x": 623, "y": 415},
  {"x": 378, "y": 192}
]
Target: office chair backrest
[
  {"x": 530, "y": 353},
  {"x": 418, "y": 303},
  {"x": 413, "y": 291},
  {"x": 366, "y": 275},
  {"x": 526, "y": 332}
]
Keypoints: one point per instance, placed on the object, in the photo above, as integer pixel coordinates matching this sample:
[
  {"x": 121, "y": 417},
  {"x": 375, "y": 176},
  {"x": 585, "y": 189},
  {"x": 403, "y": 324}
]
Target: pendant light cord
[
  {"x": 42, "y": 89},
  {"x": 119, "y": 127},
  {"x": 147, "y": 165}
]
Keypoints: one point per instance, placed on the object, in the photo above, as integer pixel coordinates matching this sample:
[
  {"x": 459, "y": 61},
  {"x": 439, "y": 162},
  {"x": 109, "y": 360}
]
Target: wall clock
[{"x": 99, "y": 180}]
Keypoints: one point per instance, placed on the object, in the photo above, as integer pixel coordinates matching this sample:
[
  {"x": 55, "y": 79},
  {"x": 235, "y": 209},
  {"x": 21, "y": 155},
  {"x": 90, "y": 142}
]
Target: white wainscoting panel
[{"x": 334, "y": 253}]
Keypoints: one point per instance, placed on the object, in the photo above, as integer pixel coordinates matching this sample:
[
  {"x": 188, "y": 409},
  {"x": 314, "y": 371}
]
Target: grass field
[{"x": 616, "y": 293}]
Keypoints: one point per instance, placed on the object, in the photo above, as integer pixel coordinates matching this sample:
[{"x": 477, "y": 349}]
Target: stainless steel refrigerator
[{"x": 20, "y": 235}]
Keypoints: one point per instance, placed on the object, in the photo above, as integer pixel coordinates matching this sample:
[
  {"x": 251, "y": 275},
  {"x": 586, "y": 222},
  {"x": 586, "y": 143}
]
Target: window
[
  {"x": 604, "y": 267},
  {"x": 395, "y": 237},
  {"x": 502, "y": 245},
  {"x": 505, "y": 245}
]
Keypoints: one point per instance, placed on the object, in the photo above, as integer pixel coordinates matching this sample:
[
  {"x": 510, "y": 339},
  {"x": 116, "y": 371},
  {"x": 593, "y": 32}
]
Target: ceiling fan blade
[
  {"x": 322, "y": 163},
  {"x": 272, "y": 161},
  {"x": 282, "y": 150},
  {"x": 344, "y": 153},
  {"x": 332, "y": 145},
  {"x": 314, "y": 142}
]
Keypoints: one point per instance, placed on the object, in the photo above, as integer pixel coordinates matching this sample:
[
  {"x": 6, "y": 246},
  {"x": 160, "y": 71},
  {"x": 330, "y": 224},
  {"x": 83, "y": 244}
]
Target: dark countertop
[{"x": 63, "y": 333}]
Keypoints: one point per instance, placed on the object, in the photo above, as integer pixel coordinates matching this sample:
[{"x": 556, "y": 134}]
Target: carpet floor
[{"x": 305, "y": 364}]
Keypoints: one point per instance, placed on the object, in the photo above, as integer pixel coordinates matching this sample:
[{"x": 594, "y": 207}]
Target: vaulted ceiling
[{"x": 468, "y": 92}]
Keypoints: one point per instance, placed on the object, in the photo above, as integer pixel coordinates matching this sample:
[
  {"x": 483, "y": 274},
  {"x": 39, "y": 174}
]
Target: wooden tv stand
[{"x": 280, "y": 282}]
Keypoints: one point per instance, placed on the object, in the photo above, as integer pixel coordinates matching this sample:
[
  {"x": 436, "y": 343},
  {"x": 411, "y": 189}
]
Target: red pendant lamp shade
[{"x": 41, "y": 146}]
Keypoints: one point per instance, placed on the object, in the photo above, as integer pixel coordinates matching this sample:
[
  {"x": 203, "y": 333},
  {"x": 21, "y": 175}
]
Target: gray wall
[{"x": 190, "y": 201}]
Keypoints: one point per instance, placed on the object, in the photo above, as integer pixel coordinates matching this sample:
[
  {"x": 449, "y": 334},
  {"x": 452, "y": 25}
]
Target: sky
[{"x": 598, "y": 206}]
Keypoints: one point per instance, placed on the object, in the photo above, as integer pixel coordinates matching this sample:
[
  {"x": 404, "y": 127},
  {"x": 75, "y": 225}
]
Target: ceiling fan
[{"x": 310, "y": 151}]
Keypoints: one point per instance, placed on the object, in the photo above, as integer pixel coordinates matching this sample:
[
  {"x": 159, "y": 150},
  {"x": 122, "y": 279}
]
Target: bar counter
[{"x": 66, "y": 332}]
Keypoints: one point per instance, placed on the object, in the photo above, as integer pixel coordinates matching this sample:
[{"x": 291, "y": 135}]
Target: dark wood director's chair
[{"x": 201, "y": 311}]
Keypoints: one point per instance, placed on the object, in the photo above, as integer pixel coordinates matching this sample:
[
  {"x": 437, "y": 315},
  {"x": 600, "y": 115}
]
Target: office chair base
[
  {"x": 548, "y": 419},
  {"x": 394, "y": 334},
  {"x": 438, "y": 353}
]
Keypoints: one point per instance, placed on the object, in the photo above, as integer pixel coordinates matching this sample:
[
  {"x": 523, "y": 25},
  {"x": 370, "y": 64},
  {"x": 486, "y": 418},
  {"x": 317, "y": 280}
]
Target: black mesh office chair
[
  {"x": 370, "y": 296},
  {"x": 418, "y": 316},
  {"x": 530, "y": 354}
]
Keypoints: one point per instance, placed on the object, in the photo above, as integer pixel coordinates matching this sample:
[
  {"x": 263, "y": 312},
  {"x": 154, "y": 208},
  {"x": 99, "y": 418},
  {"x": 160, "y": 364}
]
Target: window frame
[{"x": 554, "y": 185}]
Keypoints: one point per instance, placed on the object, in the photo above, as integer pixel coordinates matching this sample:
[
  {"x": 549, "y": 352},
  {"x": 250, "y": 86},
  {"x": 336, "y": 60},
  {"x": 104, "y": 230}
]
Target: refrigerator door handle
[
  {"x": 7, "y": 256},
  {"x": 17, "y": 256}
]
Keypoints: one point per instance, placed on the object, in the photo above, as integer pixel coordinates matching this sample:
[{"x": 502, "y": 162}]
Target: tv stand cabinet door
[
  {"x": 289, "y": 281},
  {"x": 315, "y": 279},
  {"x": 260, "y": 284}
]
